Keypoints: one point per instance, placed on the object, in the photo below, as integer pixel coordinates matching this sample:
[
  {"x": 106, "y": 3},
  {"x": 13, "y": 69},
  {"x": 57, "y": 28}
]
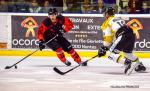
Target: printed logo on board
[
  {"x": 136, "y": 25},
  {"x": 142, "y": 44},
  {"x": 30, "y": 24}
]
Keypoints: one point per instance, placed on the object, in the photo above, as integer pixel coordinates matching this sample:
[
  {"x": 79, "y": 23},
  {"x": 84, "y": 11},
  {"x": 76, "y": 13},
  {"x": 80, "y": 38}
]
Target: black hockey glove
[
  {"x": 102, "y": 51},
  {"x": 41, "y": 45}
]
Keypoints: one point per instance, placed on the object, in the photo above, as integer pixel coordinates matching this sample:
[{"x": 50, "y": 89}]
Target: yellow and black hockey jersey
[{"x": 109, "y": 27}]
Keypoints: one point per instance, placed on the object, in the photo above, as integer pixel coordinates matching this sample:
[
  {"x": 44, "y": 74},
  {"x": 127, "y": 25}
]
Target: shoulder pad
[
  {"x": 47, "y": 22},
  {"x": 61, "y": 18}
]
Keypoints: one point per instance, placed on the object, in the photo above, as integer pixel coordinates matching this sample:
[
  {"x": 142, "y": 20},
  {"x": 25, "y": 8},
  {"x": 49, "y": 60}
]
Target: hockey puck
[{"x": 15, "y": 66}]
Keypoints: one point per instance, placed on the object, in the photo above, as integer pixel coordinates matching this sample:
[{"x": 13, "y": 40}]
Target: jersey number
[{"x": 121, "y": 23}]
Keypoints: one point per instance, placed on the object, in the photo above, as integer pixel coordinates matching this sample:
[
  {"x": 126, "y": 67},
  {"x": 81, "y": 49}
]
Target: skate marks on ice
[
  {"x": 33, "y": 74},
  {"x": 82, "y": 79}
]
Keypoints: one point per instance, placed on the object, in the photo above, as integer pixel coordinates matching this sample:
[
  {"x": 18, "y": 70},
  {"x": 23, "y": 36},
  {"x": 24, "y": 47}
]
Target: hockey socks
[
  {"x": 75, "y": 56},
  {"x": 61, "y": 56}
]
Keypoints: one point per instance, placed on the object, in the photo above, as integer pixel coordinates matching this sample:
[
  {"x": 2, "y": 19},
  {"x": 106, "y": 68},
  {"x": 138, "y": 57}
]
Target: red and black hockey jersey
[{"x": 50, "y": 29}]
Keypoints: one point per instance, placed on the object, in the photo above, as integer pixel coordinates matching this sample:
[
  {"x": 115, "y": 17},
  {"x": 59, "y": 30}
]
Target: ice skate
[
  {"x": 127, "y": 65},
  {"x": 130, "y": 67},
  {"x": 140, "y": 68},
  {"x": 67, "y": 63}
]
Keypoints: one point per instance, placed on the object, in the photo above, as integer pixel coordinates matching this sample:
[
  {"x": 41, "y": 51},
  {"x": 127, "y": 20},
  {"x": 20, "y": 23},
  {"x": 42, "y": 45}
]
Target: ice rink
[{"x": 36, "y": 74}]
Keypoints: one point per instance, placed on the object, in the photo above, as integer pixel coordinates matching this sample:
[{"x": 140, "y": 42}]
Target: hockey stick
[
  {"x": 8, "y": 67},
  {"x": 63, "y": 73}
]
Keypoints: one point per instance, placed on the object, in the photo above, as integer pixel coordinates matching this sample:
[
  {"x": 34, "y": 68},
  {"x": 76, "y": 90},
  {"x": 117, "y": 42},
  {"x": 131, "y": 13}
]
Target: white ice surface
[{"x": 36, "y": 74}]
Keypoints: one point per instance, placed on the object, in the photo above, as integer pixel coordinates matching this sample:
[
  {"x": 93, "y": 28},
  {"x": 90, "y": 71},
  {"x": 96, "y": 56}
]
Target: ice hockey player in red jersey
[{"x": 56, "y": 24}]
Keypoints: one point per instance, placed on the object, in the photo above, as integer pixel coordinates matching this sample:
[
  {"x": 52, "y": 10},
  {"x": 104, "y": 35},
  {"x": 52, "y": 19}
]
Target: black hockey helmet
[
  {"x": 110, "y": 11},
  {"x": 52, "y": 11}
]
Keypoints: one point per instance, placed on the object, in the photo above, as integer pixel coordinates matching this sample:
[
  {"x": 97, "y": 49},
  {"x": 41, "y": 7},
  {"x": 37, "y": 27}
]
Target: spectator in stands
[
  {"x": 58, "y": 4},
  {"x": 35, "y": 8},
  {"x": 125, "y": 10},
  {"x": 122, "y": 6},
  {"x": 75, "y": 8},
  {"x": 135, "y": 6},
  {"x": 21, "y": 6},
  {"x": 3, "y": 6},
  {"x": 145, "y": 7},
  {"x": 69, "y": 5},
  {"x": 72, "y": 7},
  {"x": 109, "y": 3},
  {"x": 100, "y": 8},
  {"x": 11, "y": 6},
  {"x": 46, "y": 6},
  {"x": 86, "y": 8},
  {"x": 64, "y": 5}
]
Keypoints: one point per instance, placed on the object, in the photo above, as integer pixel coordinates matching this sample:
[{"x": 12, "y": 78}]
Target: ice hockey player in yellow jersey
[{"x": 118, "y": 37}]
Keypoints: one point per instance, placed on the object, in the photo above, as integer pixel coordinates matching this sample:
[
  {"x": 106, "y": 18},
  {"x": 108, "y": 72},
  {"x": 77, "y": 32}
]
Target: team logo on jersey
[
  {"x": 136, "y": 26},
  {"x": 30, "y": 24}
]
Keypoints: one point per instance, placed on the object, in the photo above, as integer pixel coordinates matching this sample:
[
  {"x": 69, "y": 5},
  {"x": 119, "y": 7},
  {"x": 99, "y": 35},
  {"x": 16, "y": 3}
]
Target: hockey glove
[
  {"x": 41, "y": 45},
  {"x": 102, "y": 51}
]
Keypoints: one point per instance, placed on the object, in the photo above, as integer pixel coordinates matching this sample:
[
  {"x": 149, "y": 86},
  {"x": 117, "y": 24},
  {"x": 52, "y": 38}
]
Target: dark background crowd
[{"x": 76, "y": 6}]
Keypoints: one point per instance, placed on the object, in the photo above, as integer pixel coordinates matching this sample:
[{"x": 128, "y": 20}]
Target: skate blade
[
  {"x": 141, "y": 72},
  {"x": 133, "y": 66}
]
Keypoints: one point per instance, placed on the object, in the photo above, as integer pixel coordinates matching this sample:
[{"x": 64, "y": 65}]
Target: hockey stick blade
[
  {"x": 62, "y": 73},
  {"x": 58, "y": 71},
  {"x": 8, "y": 67}
]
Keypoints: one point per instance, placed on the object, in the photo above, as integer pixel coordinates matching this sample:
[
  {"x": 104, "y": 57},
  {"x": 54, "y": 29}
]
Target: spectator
[
  {"x": 109, "y": 3},
  {"x": 86, "y": 8},
  {"x": 100, "y": 8},
  {"x": 125, "y": 10},
  {"x": 58, "y": 4},
  {"x": 116, "y": 8},
  {"x": 35, "y": 8},
  {"x": 21, "y": 6},
  {"x": 46, "y": 6},
  {"x": 69, "y": 5},
  {"x": 135, "y": 6},
  {"x": 11, "y": 6},
  {"x": 72, "y": 7},
  {"x": 122, "y": 6},
  {"x": 3, "y": 6},
  {"x": 145, "y": 7},
  {"x": 64, "y": 5},
  {"x": 76, "y": 8}
]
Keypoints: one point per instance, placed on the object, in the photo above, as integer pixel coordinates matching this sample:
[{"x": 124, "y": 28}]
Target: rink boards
[
  {"x": 50, "y": 53},
  {"x": 86, "y": 36}
]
